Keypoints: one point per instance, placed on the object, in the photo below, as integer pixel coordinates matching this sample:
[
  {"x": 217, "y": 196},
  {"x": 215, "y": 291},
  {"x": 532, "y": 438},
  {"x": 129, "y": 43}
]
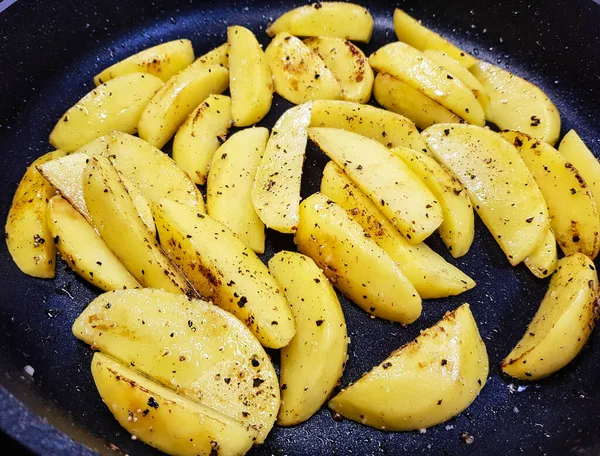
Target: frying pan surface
[{"x": 49, "y": 52}]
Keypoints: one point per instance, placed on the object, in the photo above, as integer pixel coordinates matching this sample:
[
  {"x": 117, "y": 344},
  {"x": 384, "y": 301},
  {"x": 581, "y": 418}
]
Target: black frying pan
[{"x": 49, "y": 51}]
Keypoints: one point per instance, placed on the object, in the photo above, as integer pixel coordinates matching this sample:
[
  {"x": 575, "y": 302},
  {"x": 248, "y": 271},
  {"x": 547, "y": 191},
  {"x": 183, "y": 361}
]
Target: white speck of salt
[{"x": 29, "y": 370}]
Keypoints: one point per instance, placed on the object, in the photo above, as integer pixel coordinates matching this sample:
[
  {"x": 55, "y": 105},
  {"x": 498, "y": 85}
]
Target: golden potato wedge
[
  {"x": 411, "y": 66},
  {"x": 163, "y": 419},
  {"x": 517, "y": 104},
  {"x": 414, "y": 33},
  {"x": 430, "y": 274},
  {"x": 191, "y": 346},
  {"x": 117, "y": 221},
  {"x": 115, "y": 105},
  {"x": 218, "y": 56},
  {"x": 389, "y": 128},
  {"x": 84, "y": 250},
  {"x": 500, "y": 185},
  {"x": 423, "y": 383},
  {"x": 562, "y": 324},
  {"x": 353, "y": 262},
  {"x": 399, "y": 97},
  {"x": 28, "y": 237},
  {"x": 458, "y": 227},
  {"x": 250, "y": 80},
  {"x": 229, "y": 185},
  {"x": 276, "y": 188},
  {"x": 200, "y": 136},
  {"x": 348, "y": 64},
  {"x": 163, "y": 61},
  {"x": 299, "y": 75},
  {"x": 542, "y": 262},
  {"x": 573, "y": 213},
  {"x": 225, "y": 271},
  {"x": 176, "y": 100},
  {"x": 313, "y": 362},
  {"x": 403, "y": 198},
  {"x": 335, "y": 19}
]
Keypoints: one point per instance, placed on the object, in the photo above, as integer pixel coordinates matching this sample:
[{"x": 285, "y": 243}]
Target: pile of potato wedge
[{"x": 190, "y": 377}]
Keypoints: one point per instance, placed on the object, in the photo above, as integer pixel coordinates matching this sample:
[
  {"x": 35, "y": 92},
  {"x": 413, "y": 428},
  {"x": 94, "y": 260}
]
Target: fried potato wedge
[
  {"x": 218, "y": 56},
  {"x": 517, "y": 104},
  {"x": 353, "y": 262},
  {"x": 115, "y": 105},
  {"x": 562, "y": 324},
  {"x": 163, "y": 419},
  {"x": 412, "y": 67},
  {"x": 500, "y": 185},
  {"x": 403, "y": 198},
  {"x": 399, "y": 97},
  {"x": 200, "y": 136},
  {"x": 332, "y": 19},
  {"x": 458, "y": 228},
  {"x": 176, "y": 100},
  {"x": 229, "y": 185},
  {"x": 225, "y": 271},
  {"x": 191, "y": 346},
  {"x": 313, "y": 362},
  {"x": 276, "y": 188},
  {"x": 542, "y": 262},
  {"x": 415, "y": 34},
  {"x": 163, "y": 61},
  {"x": 84, "y": 250},
  {"x": 389, "y": 128},
  {"x": 250, "y": 81},
  {"x": 28, "y": 236},
  {"x": 423, "y": 383},
  {"x": 573, "y": 213},
  {"x": 116, "y": 219},
  {"x": 348, "y": 64},
  {"x": 430, "y": 274},
  {"x": 299, "y": 75}
]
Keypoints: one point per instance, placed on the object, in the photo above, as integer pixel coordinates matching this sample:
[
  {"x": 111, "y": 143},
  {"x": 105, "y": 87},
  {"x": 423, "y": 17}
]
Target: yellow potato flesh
[
  {"x": 542, "y": 262},
  {"x": 562, "y": 324},
  {"x": 425, "y": 382},
  {"x": 115, "y": 105},
  {"x": 501, "y": 187},
  {"x": 313, "y": 362},
  {"x": 353, "y": 262},
  {"x": 218, "y": 56}
]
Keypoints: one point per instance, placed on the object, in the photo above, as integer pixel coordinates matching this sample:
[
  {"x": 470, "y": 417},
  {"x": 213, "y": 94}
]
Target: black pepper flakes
[
  {"x": 257, "y": 382},
  {"x": 152, "y": 403},
  {"x": 319, "y": 322},
  {"x": 386, "y": 365},
  {"x": 242, "y": 302}
]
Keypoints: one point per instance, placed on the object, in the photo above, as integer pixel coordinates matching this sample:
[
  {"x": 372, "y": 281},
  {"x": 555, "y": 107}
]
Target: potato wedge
[
  {"x": 117, "y": 221},
  {"x": 517, "y": 104},
  {"x": 335, "y": 19},
  {"x": 163, "y": 61},
  {"x": 28, "y": 237},
  {"x": 414, "y": 33},
  {"x": 412, "y": 67},
  {"x": 573, "y": 213},
  {"x": 163, "y": 419},
  {"x": 399, "y": 97},
  {"x": 313, "y": 362},
  {"x": 176, "y": 100},
  {"x": 276, "y": 188},
  {"x": 562, "y": 324},
  {"x": 229, "y": 185},
  {"x": 500, "y": 185},
  {"x": 423, "y": 383},
  {"x": 458, "y": 227},
  {"x": 225, "y": 271},
  {"x": 403, "y": 198},
  {"x": 430, "y": 274},
  {"x": 218, "y": 56},
  {"x": 193, "y": 347},
  {"x": 115, "y": 105},
  {"x": 84, "y": 250},
  {"x": 250, "y": 80},
  {"x": 299, "y": 75},
  {"x": 542, "y": 262},
  {"x": 353, "y": 262},
  {"x": 389, "y": 128},
  {"x": 348, "y": 64},
  {"x": 200, "y": 136}
]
